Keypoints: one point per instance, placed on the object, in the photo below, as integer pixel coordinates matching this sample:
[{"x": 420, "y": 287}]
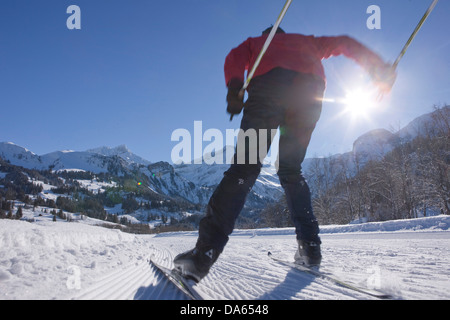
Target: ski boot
[
  {"x": 308, "y": 254},
  {"x": 195, "y": 264}
]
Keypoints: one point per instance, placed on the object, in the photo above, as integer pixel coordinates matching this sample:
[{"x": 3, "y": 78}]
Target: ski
[
  {"x": 334, "y": 280},
  {"x": 183, "y": 284}
]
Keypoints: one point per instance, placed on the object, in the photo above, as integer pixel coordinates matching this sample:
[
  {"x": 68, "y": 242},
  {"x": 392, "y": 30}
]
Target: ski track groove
[
  {"x": 101, "y": 285},
  {"x": 128, "y": 285},
  {"x": 139, "y": 281},
  {"x": 213, "y": 283},
  {"x": 226, "y": 273},
  {"x": 108, "y": 287}
]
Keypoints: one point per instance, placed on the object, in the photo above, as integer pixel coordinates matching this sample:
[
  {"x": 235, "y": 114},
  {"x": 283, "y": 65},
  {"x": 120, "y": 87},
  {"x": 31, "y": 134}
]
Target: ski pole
[
  {"x": 413, "y": 35},
  {"x": 264, "y": 48},
  {"x": 267, "y": 43}
]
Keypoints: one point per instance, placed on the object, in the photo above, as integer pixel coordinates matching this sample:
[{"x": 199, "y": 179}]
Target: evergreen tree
[{"x": 19, "y": 213}]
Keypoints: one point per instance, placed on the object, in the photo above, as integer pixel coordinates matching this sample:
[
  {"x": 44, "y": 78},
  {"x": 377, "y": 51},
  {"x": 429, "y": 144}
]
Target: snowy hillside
[
  {"x": 375, "y": 144},
  {"x": 78, "y": 260}
]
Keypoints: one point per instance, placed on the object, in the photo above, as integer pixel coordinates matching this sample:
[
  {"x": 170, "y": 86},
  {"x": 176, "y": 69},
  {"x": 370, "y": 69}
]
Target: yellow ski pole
[{"x": 413, "y": 35}]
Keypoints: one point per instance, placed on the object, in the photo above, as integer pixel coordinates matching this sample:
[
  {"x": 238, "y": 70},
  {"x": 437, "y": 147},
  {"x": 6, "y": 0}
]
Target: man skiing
[{"x": 286, "y": 93}]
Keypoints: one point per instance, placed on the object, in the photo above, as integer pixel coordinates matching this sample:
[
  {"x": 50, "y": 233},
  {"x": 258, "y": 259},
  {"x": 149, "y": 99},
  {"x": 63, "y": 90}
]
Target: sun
[{"x": 359, "y": 103}]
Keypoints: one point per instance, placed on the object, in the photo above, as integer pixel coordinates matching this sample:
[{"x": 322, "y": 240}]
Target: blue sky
[{"x": 140, "y": 69}]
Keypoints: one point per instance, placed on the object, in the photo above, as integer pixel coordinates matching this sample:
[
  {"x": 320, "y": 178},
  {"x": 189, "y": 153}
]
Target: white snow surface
[{"x": 78, "y": 260}]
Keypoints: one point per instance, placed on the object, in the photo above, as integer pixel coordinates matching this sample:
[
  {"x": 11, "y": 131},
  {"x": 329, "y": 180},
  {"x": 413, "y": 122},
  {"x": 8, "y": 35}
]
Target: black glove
[{"x": 235, "y": 97}]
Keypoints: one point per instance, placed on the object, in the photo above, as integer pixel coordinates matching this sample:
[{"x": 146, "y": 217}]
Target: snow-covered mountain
[
  {"x": 121, "y": 151},
  {"x": 166, "y": 180},
  {"x": 266, "y": 188},
  {"x": 375, "y": 144},
  {"x": 194, "y": 183},
  {"x": 59, "y": 160},
  {"x": 20, "y": 156}
]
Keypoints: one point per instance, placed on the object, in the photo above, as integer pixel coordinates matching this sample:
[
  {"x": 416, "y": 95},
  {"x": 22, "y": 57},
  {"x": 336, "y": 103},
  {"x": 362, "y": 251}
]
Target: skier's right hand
[
  {"x": 384, "y": 78},
  {"x": 235, "y": 97}
]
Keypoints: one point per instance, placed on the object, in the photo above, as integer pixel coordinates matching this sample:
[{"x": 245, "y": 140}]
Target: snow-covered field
[{"x": 77, "y": 260}]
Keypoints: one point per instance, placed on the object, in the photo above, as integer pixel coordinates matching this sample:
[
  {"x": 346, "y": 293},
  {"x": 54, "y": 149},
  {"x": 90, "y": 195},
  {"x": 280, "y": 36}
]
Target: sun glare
[{"x": 359, "y": 103}]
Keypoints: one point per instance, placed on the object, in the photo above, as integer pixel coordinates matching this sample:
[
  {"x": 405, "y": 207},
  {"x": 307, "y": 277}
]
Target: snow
[
  {"x": 121, "y": 151},
  {"x": 79, "y": 260},
  {"x": 96, "y": 186}
]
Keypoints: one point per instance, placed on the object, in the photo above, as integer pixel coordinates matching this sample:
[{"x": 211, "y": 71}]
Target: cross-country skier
[{"x": 286, "y": 92}]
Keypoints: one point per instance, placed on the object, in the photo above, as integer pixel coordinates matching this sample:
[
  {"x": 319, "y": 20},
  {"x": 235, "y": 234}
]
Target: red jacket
[{"x": 298, "y": 53}]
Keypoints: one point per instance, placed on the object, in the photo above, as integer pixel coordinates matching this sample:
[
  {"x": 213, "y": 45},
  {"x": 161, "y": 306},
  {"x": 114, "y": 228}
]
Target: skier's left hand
[{"x": 235, "y": 97}]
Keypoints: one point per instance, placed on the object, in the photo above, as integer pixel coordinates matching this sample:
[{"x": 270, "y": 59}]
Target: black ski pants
[{"x": 283, "y": 99}]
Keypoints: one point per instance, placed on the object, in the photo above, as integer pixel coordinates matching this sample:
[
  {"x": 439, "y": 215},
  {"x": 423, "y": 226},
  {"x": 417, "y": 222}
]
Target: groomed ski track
[
  {"x": 244, "y": 272},
  {"x": 36, "y": 262},
  {"x": 250, "y": 277}
]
